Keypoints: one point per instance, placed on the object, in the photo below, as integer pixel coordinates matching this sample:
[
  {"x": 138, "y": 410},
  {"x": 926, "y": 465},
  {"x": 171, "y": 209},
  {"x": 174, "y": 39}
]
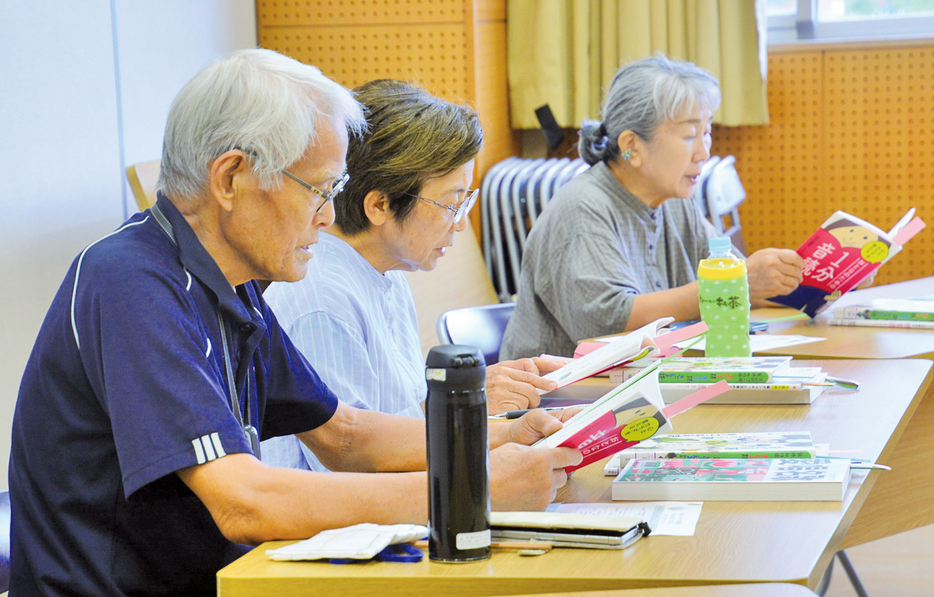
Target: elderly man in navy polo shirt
[{"x": 159, "y": 367}]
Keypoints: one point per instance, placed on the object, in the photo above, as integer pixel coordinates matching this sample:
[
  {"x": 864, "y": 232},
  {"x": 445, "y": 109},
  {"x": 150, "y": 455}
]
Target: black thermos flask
[{"x": 458, "y": 455}]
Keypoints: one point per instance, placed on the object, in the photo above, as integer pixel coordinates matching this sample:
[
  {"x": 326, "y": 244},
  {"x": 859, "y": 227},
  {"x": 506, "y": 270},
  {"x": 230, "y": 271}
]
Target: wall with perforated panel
[
  {"x": 456, "y": 49},
  {"x": 851, "y": 129}
]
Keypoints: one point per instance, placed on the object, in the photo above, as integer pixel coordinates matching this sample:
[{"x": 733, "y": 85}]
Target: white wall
[{"x": 76, "y": 105}]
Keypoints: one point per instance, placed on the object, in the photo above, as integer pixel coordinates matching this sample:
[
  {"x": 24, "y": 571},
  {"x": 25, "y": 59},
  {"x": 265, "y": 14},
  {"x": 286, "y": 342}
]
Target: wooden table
[
  {"x": 735, "y": 542},
  {"x": 890, "y": 509},
  {"x": 844, "y": 342},
  {"x": 756, "y": 590}
]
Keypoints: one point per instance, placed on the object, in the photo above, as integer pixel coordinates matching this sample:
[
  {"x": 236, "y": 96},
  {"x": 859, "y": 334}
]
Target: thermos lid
[
  {"x": 460, "y": 367},
  {"x": 454, "y": 355}
]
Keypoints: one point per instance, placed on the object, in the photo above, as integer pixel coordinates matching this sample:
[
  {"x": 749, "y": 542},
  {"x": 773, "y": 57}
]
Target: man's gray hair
[
  {"x": 642, "y": 95},
  {"x": 259, "y": 101}
]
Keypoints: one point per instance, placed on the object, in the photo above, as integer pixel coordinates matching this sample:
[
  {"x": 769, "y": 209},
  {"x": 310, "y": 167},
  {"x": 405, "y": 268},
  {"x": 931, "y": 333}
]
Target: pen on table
[
  {"x": 849, "y": 384},
  {"x": 861, "y": 464},
  {"x": 515, "y": 414}
]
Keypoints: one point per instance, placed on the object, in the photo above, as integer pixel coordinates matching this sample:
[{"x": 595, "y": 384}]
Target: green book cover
[
  {"x": 713, "y": 369},
  {"x": 919, "y": 309},
  {"x": 821, "y": 479}
]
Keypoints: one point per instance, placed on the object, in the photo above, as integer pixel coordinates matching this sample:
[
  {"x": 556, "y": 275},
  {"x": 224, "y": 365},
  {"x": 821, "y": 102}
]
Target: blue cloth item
[
  {"x": 126, "y": 385},
  {"x": 358, "y": 329}
]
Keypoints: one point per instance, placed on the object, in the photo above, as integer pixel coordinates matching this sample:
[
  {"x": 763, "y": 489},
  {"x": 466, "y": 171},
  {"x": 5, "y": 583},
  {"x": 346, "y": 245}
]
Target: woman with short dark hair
[{"x": 353, "y": 316}]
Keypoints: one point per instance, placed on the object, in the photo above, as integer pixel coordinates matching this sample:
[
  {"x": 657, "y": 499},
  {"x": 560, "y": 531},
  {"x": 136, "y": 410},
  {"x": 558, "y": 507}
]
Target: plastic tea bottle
[{"x": 723, "y": 291}]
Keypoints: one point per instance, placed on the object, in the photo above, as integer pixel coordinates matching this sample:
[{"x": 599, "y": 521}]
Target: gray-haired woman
[
  {"x": 407, "y": 195},
  {"x": 618, "y": 246}
]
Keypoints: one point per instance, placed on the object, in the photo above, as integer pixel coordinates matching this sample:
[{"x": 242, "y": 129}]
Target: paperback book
[
  {"x": 624, "y": 416},
  {"x": 729, "y": 479},
  {"x": 840, "y": 254},
  {"x": 645, "y": 342},
  {"x": 919, "y": 309},
  {"x": 710, "y": 370},
  {"x": 882, "y": 323},
  {"x": 768, "y": 444},
  {"x": 795, "y": 385}
]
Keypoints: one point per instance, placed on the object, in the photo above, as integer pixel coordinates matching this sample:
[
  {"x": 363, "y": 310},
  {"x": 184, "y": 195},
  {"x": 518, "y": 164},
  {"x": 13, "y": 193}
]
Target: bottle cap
[{"x": 719, "y": 244}]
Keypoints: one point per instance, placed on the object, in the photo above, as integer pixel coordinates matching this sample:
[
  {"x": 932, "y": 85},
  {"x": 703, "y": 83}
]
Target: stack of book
[
  {"x": 890, "y": 313},
  {"x": 771, "y": 466},
  {"x": 726, "y": 479},
  {"x": 767, "y": 444},
  {"x": 752, "y": 380}
]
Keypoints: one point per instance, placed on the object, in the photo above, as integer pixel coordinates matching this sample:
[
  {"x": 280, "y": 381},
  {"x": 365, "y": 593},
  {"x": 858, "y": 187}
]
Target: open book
[
  {"x": 641, "y": 343},
  {"x": 624, "y": 416},
  {"x": 840, "y": 254}
]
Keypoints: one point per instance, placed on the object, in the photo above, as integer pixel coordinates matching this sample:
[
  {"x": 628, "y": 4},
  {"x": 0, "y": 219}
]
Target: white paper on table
[
  {"x": 665, "y": 518},
  {"x": 758, "y": 342}
]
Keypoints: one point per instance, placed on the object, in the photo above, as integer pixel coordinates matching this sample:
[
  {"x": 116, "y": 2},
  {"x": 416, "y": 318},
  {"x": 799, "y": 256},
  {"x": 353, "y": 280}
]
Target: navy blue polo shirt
[{"x": 126, "y": 385}]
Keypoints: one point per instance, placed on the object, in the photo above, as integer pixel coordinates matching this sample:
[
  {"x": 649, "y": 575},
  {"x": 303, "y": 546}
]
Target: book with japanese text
[
  {"x": 647, "y": 341},
  {"x": 624, "y": 416},
  {"x": 710, "y": 369},
  {"x": 882, "y": 323},
  {"x": 840, "y": 254},
  {"x": 730, "y": 479},
  {"x": 766, "y": 444},
  {"x": 798, "y": 385},
  {"x": 918, "y": 309}
]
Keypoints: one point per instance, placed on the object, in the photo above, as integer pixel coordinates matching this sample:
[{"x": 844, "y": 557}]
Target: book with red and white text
[
  {"x": 840, "y": 254},
  {"x": 624, "y": 416}
]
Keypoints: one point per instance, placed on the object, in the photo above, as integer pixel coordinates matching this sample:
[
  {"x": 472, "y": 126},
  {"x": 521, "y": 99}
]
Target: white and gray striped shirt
[{"x": 358, "y": 329}]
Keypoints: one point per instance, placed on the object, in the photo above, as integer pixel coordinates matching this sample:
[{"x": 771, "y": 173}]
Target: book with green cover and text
[
  {"x": 710, "y": 369},
  {"x": 765, "y": 444},
  {"x": 733, "y": 479}
]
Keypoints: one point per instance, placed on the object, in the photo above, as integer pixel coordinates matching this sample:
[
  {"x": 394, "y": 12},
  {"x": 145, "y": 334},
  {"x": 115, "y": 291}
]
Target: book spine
[
  {"x": 740, "y": 386},
  {"x": 658, "y": 455},
  {"x": 706, "y": 377},
  {"x": 883, "y": 323},
  {"x": 864, "y": 313}
]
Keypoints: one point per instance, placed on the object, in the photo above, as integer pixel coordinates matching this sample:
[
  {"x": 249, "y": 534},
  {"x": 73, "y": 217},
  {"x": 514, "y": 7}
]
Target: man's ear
[
  {"x": 229, "y": 173},
  {"x": 376, "y": 207}
]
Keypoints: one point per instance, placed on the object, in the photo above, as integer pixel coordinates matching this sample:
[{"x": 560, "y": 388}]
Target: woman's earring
[{"x": 626, "y": 154}]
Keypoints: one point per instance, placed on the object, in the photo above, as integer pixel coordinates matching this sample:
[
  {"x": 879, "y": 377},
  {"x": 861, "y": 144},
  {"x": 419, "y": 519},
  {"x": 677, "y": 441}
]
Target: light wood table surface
[
  {"x": 756, "y": 590},
  {"x": 735, "y": 542},
  {"x": 890, "y": 509},
  {"x": 844, "y": 342}
]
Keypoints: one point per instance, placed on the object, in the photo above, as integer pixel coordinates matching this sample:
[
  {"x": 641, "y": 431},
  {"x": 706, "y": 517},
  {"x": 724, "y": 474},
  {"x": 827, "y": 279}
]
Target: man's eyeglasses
[
  {"x": 336, "y": 188},
  {"x": 460, "y": 210}
]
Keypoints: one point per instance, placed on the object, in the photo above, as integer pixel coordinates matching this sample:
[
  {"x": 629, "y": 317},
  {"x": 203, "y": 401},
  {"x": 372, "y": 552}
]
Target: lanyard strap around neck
[{"x": 248, "y": 429}]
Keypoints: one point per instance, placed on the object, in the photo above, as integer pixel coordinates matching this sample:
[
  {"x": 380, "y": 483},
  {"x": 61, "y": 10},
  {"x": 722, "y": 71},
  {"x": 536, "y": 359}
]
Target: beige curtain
[{"x": 565, "y": 52}]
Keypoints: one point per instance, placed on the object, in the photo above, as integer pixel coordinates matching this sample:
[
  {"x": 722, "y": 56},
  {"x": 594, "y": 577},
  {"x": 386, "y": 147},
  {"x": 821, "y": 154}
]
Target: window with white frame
[{"x": 848, "y": 20}]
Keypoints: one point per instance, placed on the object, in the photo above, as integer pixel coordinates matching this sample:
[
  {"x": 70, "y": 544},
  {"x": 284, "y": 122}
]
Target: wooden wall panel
[
  {"x": 851, "y": 129},
  {"x": 779, "y": 164},
  {"x": 878, "y": 154},
  {"x": 456, "y": 49},
  {"x": 294, "y": 13},
  {"x": 435, "y": 57}
]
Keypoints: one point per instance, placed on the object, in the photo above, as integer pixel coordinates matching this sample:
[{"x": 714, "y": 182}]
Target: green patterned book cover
[
  {"x": 731, "y": 479},
  {"x": 712, "y": 369}
]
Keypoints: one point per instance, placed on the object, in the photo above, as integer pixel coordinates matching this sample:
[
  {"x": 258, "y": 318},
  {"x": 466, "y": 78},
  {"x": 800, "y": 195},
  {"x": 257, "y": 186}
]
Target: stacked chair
[{"x": 513, "y": 193}]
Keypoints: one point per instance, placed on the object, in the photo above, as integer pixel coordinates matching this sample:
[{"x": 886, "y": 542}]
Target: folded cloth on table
[{"x": 357, "y": 542}]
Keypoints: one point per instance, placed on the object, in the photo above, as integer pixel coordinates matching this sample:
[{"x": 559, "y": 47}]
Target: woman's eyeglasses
[{"x": 459, "y": 210}]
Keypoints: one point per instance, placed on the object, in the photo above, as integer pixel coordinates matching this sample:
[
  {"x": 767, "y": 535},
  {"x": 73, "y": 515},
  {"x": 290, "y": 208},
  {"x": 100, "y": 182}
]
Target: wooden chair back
[{"x": 142, "y": 178}]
